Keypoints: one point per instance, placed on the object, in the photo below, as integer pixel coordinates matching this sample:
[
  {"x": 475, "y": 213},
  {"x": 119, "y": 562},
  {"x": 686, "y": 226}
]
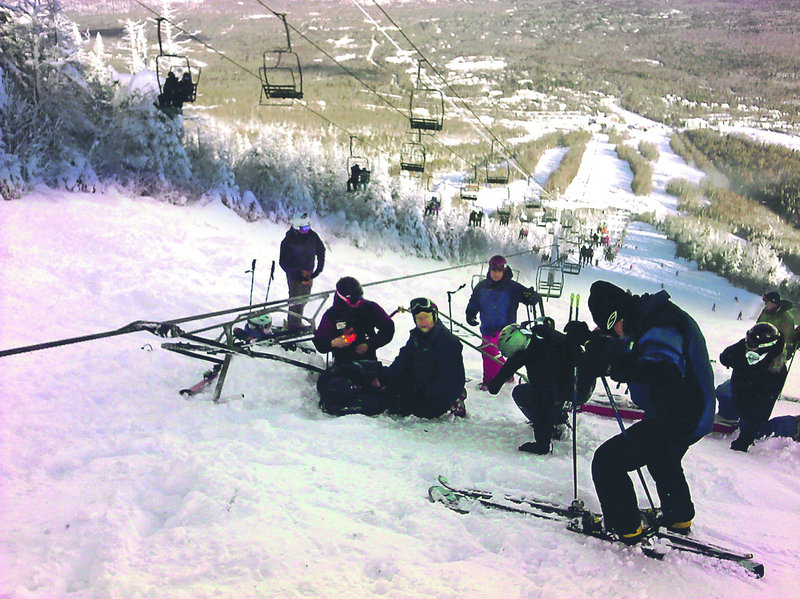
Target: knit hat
[
  {"x": 497, "y": 262},
  {"x": 608, "y": 304},
  {"x": 349, "y": 288},
  {"x": 772, "y": 296}
]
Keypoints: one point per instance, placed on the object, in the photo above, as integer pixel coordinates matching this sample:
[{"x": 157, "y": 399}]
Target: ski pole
[
  {"x": 450, "y": 295},
  {"x": 625, "y": 434},
  {"x": 571, "y": 303},
  {"x": 252, "y": 272},
  {"x": 576, "y": 503},
  {"x": 269, "y": 282}
]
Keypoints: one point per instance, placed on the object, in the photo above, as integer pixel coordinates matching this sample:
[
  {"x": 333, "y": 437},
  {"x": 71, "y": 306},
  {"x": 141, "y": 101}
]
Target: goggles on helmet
[
  {"x": 351, "y": 300},
  {"x": 421, "y": 304}
]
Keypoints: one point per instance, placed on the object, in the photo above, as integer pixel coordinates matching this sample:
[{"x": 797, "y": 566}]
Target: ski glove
[{"x": 530, "y": 296}]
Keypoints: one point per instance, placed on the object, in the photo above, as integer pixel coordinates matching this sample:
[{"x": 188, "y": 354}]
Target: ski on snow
[{"x": 461, "y": 500}]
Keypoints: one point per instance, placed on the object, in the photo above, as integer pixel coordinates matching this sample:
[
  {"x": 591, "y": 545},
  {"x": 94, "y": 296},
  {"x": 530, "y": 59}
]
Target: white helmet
[{"x": 301, "y": 220}]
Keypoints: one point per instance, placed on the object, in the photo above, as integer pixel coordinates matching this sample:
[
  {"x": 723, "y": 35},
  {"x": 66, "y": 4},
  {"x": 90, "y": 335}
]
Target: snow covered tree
[
  {"x": 97, "y": 61},
  {"x": 137, "y": 45}
]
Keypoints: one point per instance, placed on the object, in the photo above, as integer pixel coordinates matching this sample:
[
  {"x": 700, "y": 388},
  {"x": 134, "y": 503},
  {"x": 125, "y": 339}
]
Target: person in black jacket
[
  {"x": 302, "y": 258},
  {"x": 660, "y": 352},
  {"x": 754, "y": 386},
  {"x": 353, "y": 328},
  {"x": 549, "y": 357},
  {"x": 426, "y": 378}
]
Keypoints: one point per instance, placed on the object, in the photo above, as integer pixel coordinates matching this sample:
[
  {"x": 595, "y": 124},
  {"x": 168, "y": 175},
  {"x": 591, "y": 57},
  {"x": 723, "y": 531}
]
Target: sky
[{"x": 113, "y": 485}]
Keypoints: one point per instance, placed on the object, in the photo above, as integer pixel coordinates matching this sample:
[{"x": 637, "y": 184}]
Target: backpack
[{"x": 347, "y": 389}]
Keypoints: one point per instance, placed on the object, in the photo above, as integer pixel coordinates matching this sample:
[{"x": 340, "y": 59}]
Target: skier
[
  {"x": 496, "y": 299},
  {"x": 426, "y": 378},
  {"x": 167, "y": 98},
  {"x": 549, "y": 357},
  {"x": 353, "y": 328},
  {"x": 776, "y": 312},
  {"x": 300, "y": 249},
  {"x": 754, "y": 386},
  {"x": 660, "y": 352}
]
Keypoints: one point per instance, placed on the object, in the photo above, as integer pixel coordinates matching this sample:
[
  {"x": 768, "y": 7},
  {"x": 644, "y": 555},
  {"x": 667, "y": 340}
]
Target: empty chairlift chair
[{"x": 281, "y": 74}]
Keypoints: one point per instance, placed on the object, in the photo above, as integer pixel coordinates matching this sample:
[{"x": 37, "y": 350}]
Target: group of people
[
  {"x": 645, "y": 341},
  {"x": 359, "y": 177},
  {"x": 176, "y": 91},
  {"x": 759, "y": 367},
  {"x": 586, "y": 255}
]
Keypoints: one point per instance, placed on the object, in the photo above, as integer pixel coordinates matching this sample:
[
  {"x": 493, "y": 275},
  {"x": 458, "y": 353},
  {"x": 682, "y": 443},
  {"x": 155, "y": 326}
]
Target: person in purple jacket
[
  {"x": 302, "y": 258},
  {"x": 353, "y": 328}
]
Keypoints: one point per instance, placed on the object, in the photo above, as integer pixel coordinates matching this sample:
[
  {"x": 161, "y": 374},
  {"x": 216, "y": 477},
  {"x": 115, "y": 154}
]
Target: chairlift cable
[{"x": 464, "y": 103}]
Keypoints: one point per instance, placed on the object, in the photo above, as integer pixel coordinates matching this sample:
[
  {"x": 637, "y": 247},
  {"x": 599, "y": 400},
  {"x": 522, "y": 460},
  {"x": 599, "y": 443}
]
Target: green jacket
[{"x": 785, "y": 324}]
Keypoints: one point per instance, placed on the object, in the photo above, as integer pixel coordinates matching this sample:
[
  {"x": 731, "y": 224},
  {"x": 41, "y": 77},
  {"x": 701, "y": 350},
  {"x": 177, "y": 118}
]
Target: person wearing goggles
[
  {"x": 426, "y": 379},
  {"x": 754, "y": 386},
  {"x": 302, "y": 258},
  {"x": 353, "y": 328}
]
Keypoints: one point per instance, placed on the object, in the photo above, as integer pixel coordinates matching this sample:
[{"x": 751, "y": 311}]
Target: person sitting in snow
[
  {"x": 353, "y": 328},
  {"x": 549, "y": 357},
  {"x": 426, "y": 379},
  {"x": 754, "y": 386},
  {"x": 496, "y": 299}
]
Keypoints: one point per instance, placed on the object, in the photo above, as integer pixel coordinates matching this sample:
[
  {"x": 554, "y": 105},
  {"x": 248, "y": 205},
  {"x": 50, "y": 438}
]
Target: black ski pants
[
  {"x": 544, "y": 410},
  {"x": 642, "y": 444}
]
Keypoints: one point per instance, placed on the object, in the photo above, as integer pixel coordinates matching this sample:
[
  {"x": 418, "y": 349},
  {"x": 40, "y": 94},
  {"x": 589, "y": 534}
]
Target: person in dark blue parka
[
  {"x": 427, "y": 378},
  {"x": 302, "y": 258},
  {"x": 496, "y": 299},
  {"x": 660, "y": 352}
]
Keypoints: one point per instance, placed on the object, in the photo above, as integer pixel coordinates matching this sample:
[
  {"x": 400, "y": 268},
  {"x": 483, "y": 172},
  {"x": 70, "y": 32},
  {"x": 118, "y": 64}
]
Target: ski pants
[
  {"x": 542, "y": 409},
  {"x": 780, "y": 426},
  {"x": 643, "y": 444},
  {"x": 295, "y": 312},
  {"x": 488, "y": 349}
]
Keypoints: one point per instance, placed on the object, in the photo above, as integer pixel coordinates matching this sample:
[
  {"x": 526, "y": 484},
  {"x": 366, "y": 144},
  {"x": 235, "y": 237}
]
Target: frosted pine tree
[
  {"x": 97, "y": 61},
  {"x": 136, "y": 44}
]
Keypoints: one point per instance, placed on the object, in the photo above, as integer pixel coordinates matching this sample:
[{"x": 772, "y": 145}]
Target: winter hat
[
  {"x": 772, "y": 296},
  {"x": 608, "y": 304},
  {"x": 497, "y": 263},
  {"x": 349, "y": 288},
  {"x": 301, "y": 220}
]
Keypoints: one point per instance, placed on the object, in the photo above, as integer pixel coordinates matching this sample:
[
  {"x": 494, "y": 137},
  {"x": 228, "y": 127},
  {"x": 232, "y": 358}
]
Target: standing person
[
  {"x": 496, "y": 299},
  {"x": 754, "y": 386},
  {"x": 549, "y": 357},
  {"x": 353, "y": 328},
  {"x": 776, "y": 312},
  {"x": 426, "y": 378},
  {"x": 660, "y": 352},
  {"x": 302, "y": 258}
]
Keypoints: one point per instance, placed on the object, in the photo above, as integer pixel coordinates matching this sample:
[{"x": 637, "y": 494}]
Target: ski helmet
[
  {"x": 301, "y": 221},
  {"x": 262, "y": 320},
  {"x": 762, "y": 336},
  {"x": 423, "y": 304},
  {"x": 512, "y": 339}
]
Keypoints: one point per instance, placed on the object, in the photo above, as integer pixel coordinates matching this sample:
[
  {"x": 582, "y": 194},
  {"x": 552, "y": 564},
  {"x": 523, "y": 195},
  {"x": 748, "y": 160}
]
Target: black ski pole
[
  {"x": 269, "y": 283},
  {"x": 576, "y": 503},
  {"x": 450, "y": 303},
  {"x": 252, "y": 272},
  {"x": 625, "y": 434}
]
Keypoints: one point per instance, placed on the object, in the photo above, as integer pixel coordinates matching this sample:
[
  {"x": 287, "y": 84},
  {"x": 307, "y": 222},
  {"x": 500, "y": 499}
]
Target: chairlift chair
[
  {"x": 497, "y": 173},
  {"x": 549, "y": 280},
  {"x": 364, "y": 168},
  {"x": 178, "y": 65},
  {"x": 469, "y": 191},
  {"x": 412, "y": 157},
  {"x": 426, "y": 107},
  {"x": 281, "y": 74}
]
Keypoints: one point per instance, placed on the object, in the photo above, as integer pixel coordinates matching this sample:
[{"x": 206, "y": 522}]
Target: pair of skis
[{"x": 577, "y": 519}]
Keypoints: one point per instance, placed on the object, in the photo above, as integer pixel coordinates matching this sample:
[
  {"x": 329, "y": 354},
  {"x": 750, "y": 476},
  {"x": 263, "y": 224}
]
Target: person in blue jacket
[
  {"x": 496, "y": 300},
  {"x": 660, "y": 352},
  {"x": 426, "y": 378}
]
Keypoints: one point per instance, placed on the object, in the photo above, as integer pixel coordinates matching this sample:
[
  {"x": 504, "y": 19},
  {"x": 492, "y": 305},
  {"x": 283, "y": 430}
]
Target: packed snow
[{"x": 113, "y": 485}]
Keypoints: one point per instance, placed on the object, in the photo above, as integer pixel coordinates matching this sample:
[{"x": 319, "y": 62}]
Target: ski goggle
[
  {"x": 304, "y": 228},
  {"x": 421, "y": 304},
  {"x": 350, "y": 300}
]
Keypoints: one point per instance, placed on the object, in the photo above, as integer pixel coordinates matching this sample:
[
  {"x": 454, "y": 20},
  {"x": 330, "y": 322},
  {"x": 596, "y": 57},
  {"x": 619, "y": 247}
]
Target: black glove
[
  {"x": 596, "y": 359},
  {"x": 623, "y": 367},
  {"x": 472, "y": 321},
  {"x": 577, "y": 332},
  {"x": 530, "y": 296}
]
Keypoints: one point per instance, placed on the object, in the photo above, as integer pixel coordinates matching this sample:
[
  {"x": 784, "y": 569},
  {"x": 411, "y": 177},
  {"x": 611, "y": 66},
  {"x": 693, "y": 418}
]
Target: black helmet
[
  {"x": 349, "y": 289},
  {"x": 762, "y": 336}
]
